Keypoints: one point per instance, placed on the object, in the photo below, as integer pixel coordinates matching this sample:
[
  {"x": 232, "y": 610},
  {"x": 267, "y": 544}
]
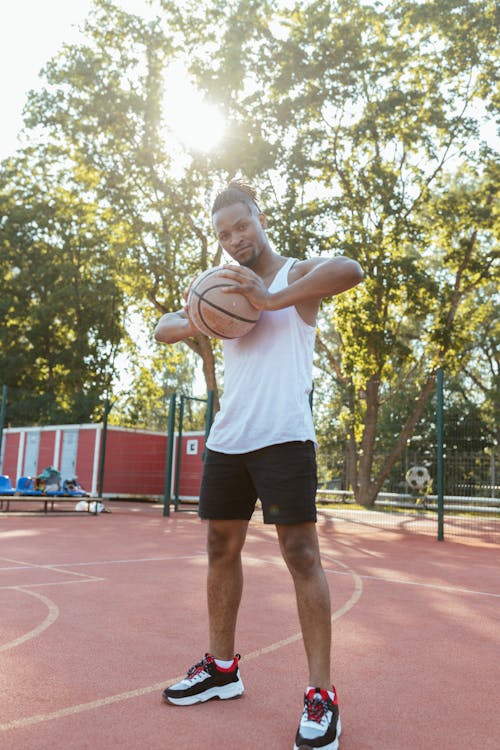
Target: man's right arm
[{"x": 174, "y": 326}]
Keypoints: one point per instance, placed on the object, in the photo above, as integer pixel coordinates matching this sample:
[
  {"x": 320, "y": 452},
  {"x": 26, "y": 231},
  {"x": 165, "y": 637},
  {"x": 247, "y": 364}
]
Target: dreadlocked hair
[{"x": 237, "y": 191}]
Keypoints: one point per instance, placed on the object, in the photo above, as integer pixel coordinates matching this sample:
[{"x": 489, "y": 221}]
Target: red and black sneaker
[
  {"x": 205, "y": 681},
  {"x": 319, "y": 725}
]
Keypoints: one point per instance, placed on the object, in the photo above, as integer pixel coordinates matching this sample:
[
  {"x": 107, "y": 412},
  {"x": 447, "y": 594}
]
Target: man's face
[{"x": 240, "y": 231}]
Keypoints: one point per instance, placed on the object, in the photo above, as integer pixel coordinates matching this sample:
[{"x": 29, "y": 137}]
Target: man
[{"x": 262, "y": 445}]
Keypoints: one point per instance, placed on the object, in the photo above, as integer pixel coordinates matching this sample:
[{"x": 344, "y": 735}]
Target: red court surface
[{"x": 99, "y": 614}]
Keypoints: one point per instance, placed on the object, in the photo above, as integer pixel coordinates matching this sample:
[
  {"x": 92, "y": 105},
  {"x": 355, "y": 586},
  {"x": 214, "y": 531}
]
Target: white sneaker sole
[
  {"x": 332, "y": 746},
  {"x": 223, "y": 692}
]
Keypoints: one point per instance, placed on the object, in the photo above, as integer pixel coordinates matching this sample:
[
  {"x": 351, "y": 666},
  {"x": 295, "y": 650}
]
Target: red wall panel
[
  {"x": 46, "y": 450},
  {"x": 85, "y": 457},
  {"x": 191, "y": 466},
  {"x": 9, "y": 467},
  {"x": 135, "y": 462}
]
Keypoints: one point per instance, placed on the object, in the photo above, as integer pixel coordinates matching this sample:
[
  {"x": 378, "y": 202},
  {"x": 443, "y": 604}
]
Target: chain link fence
[
  {"x": 445, "y": 483},
  {"x": 408, "y": 500}
]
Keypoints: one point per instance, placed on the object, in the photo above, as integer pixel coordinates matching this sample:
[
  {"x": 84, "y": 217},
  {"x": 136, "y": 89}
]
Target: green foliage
[
  {"x": 59, "y": 298},
  {"x": 374, "y": 105},
  {"x": 103, "y": 110},
  {"x": 143, "y": 399},
  {"x": 358, "y": 121}
]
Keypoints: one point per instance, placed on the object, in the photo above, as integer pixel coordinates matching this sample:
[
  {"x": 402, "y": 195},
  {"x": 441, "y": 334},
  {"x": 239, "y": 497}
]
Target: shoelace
[
  {"x": 200, "y": 666},
  {"x": 316, "y": 708}
]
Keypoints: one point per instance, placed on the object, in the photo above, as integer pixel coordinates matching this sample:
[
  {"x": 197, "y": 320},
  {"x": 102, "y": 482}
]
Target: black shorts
[{"x": 283, "y": 477}]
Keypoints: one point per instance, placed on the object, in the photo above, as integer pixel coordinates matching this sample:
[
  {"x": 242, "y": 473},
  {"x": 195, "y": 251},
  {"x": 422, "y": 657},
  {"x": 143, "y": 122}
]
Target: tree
[
  {"x": 359, "y": 122},
  {"x": 370, "y": 108},
  {"x": 104, "y": 102},
  {"x": 59, "y": 295}
]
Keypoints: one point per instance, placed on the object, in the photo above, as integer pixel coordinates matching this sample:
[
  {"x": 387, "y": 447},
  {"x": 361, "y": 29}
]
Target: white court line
[
  {"x": 22, "y": 565},
  {"x": 39, "y": 718},
  {"x": 52, "y": 606},
  {"x": 27, "y": 586},
  {"x": 52, "y": 616},
  {"x": 33, "y": 566},
  {"x": 99, "y": 703},
  {"x": 61, "y": 567},
  {"x": 53, "y": 613},
  {"x": 58, "y": 567},
  {"x": 354, "y": 598},
  {"x": 436, "y": 586}
]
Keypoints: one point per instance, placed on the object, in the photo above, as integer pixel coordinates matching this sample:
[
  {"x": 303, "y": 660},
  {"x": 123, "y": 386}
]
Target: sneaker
[
  {"x": 205, "y": 681},
  {"x": 319, "y": 725}
]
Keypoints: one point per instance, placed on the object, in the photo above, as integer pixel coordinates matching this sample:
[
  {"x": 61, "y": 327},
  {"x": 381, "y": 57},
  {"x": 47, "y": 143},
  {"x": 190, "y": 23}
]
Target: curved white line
[
  {"x": 30, "y": 720},
  {"x": 38, "y": 719},
  {"x": 52, "y": 616},
  {"x": 353, "y": 599}
]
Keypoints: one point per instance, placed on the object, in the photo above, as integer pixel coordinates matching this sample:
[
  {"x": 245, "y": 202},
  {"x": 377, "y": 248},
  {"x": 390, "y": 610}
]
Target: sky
[{"x": 31, "y": 32}]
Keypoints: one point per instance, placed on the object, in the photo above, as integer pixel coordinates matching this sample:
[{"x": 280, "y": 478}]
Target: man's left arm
[{"x": 310, "y": 281}]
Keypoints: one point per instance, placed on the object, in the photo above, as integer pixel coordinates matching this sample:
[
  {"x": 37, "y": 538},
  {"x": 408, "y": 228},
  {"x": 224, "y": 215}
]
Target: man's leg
[
  {"x": 225, "y": 541},
  {"x": 300, "y": 549},
  {"x": 209, "y": 678}
]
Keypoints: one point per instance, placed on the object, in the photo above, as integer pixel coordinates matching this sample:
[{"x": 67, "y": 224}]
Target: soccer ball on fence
[{"x": 419, "y": 478}]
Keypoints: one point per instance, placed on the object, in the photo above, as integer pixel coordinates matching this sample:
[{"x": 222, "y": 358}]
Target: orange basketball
[{"x": 220, "y": 315}]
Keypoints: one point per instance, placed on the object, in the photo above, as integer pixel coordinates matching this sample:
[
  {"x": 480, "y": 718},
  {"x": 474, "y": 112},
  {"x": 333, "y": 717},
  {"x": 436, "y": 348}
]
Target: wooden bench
[{"x": 47, "y": 500}]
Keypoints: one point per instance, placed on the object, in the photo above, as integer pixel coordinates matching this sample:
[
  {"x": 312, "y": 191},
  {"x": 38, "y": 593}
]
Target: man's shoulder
[{"x": 303, "y": 266}]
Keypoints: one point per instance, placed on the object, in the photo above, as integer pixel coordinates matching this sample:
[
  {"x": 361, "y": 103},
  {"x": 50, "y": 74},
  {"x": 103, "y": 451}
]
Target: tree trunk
[
  {"x": 351, "y": 449},
  {"x": 363, "y": 490},
  {"x": 202, "y": 346},
  {"x": 368, "y": 493}
]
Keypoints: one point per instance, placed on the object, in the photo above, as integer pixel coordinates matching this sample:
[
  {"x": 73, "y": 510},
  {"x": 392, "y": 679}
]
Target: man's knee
[
  {"x": 300, "y": 551},
  {"x": 225, "y": 540}
]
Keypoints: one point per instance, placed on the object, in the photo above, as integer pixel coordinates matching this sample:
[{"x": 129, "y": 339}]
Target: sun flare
[{"x": 193, "y": 121}]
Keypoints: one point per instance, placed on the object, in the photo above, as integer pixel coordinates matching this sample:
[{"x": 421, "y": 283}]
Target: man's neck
[{"x": 268, "y": 264}]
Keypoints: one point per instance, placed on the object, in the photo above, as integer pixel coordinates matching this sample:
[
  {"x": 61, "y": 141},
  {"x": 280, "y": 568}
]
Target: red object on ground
[{"x": 100, "y": 613}]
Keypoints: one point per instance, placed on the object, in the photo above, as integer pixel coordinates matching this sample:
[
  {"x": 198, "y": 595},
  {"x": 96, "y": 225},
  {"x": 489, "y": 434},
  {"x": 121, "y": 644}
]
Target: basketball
[{"x": 219, "y": 314}]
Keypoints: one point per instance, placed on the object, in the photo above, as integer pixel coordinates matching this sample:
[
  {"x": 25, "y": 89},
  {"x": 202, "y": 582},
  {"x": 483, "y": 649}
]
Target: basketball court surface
[{"x": 100, "y": 613}]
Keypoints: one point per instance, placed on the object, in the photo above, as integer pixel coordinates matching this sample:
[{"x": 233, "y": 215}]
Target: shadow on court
[{"x": 99, "y": 614}]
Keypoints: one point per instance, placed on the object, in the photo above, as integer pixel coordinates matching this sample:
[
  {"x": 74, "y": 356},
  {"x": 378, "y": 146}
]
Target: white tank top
[{"x": 267, "y": 381}]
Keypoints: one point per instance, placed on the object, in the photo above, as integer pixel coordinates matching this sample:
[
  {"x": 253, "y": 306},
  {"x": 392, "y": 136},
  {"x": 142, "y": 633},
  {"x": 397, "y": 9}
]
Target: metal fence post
[
  {"x": 170, "y": 453},
  {"x": 440, "y": 454},
  {"x": 2, "y": 421},
  {"x": 102, "y": 457},
  {"x": 178, "y": 456},
  {"x": 209, "y": 416}
]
